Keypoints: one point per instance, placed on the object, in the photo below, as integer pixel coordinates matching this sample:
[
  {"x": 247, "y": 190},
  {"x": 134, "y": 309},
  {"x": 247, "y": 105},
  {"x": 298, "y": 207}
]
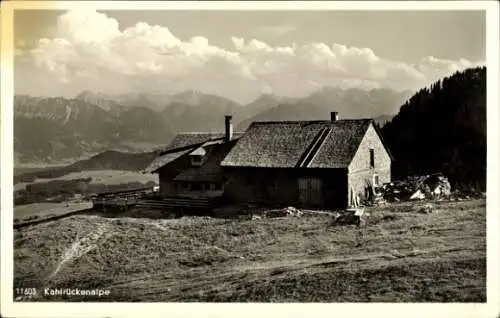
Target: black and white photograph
[{"x": 259, "y": 155}]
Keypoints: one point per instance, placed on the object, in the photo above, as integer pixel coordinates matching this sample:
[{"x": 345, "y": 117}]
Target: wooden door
[{"x": 310, "y": 191}]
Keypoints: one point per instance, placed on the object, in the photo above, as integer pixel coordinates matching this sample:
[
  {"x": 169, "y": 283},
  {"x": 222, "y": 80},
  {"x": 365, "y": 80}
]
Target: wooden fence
[
  {"x": 176, "y": 202},
  {"x": 146, "y": 198},
  {"x": 121, "y": 199}
]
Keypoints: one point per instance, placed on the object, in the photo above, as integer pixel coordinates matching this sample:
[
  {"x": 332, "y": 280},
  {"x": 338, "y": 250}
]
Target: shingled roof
[
  {"x": 182, "y": 144},
  {"x": 193, "y": 139},
  {"x": 288, "y": 144},
  {"x": 166, "y": 158}
]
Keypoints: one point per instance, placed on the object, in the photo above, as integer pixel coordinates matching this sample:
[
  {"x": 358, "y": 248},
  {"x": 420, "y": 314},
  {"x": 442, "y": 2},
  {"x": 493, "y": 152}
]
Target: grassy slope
[
  {"x": 106, "y": 177},
  {"x": 43, "y": 210},
  {"x": 400, "y": 255}
]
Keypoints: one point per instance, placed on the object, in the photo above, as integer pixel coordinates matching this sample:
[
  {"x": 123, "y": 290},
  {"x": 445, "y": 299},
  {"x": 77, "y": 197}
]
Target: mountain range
[{"x": 57, "y": 129}]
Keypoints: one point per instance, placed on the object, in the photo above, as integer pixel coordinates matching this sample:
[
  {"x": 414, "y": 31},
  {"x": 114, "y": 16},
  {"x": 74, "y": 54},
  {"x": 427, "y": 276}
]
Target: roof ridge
[
  {"x": 288, "y": 122},
  {"x": 199, "y": 132},
  {"x": 206, "y": 132},
  {"x": 320, "y": 121}
]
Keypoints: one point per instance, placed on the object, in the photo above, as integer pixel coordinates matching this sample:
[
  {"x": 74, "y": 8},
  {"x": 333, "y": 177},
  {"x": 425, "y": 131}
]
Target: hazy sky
[{"x": 241, "y": 54}]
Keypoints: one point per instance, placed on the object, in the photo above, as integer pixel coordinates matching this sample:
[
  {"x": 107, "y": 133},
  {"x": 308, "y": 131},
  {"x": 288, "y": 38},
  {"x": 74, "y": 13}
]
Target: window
[
  {"x": 372, "y": 158},
  {"x": 197, "y": 156},
  {"x": 196, "y": 160},
  {"x": 375, "y": 181},
  {"x": 184, "y": 185},
  {"x": 213, "y": 186}
]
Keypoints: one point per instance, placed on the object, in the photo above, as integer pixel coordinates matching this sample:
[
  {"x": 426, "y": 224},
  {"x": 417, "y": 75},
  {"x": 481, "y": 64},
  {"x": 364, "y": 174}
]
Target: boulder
[{"x": 348, "y": 217}]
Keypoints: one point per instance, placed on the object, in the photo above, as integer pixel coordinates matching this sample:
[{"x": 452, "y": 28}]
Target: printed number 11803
[{"x": 25, "y": 291}]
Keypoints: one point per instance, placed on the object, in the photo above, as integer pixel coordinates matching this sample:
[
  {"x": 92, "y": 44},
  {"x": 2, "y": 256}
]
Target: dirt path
[{"x": 83, "y": 245}]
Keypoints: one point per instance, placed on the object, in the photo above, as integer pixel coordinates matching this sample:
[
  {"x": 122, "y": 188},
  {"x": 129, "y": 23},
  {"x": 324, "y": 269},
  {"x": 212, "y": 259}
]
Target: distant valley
[{"x": 56, "y": 130}]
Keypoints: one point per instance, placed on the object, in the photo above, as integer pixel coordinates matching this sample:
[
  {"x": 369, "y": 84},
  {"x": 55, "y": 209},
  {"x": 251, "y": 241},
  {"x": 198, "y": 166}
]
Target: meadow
[
  {"x": 398, "y": 255},
  {"x": 39, "y": 211},
  {"x": 104, "y": 177},
  {"x": 84, "y": 184}
]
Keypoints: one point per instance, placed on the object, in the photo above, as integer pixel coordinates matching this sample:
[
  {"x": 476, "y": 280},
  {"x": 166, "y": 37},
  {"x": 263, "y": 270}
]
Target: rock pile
[{"x": 415, "y": 188}]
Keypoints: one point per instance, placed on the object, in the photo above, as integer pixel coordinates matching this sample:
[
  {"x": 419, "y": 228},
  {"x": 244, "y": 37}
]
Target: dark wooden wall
[{"x": 280, "y": 187}]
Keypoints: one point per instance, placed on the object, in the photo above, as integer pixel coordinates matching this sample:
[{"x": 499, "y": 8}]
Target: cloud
[{"x": 90, "y": 51}]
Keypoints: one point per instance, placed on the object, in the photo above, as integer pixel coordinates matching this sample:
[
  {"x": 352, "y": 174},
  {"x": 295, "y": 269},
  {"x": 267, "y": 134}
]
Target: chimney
[
  {"x": 334, "y": 116},
  {"x": 229, "y": 128}
]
